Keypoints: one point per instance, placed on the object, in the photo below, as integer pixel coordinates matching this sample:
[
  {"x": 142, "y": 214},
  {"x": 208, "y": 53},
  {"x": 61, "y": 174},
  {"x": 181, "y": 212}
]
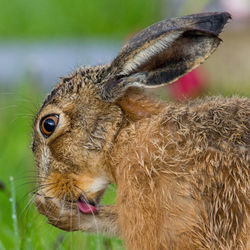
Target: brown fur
[
  {"x": 190, "y": 165},
  {"x": 181, "y": 170}
]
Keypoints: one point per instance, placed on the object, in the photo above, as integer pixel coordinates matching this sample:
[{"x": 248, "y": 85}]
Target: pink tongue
[{"x": 86, "y": 208}]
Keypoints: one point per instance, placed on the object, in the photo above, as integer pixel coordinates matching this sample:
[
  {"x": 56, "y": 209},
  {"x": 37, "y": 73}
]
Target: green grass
[{"x": 21, "y": 225}]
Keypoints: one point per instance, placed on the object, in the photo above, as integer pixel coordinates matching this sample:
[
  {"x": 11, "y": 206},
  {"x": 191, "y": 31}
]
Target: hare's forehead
[{"x": 75, "y": 86}]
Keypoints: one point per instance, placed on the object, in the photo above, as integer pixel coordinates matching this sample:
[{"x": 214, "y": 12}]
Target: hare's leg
[{"x": 137, "y": 217}]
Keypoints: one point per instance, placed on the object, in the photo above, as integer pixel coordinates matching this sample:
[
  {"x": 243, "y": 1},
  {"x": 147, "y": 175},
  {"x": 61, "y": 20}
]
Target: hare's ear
[{"x": 164, "y": 52}]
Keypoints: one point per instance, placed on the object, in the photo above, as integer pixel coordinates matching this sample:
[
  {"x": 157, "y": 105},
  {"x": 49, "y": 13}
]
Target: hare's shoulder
[{"x": 212, "y": 121}]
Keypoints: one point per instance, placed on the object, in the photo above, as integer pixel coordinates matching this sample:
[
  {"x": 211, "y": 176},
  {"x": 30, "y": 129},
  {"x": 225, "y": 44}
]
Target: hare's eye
[{"x": 48, "y": 124}]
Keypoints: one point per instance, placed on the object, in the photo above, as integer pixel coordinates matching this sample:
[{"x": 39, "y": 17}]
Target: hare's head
[{"x": 78, "y": 122}]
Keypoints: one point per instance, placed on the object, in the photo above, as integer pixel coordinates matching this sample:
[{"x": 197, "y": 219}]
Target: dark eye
[{"x": 48, "y": 124}]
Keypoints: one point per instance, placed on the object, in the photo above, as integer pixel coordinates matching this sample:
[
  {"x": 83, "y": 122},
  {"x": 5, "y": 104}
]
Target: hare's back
[{"x": 212, "y": 121}]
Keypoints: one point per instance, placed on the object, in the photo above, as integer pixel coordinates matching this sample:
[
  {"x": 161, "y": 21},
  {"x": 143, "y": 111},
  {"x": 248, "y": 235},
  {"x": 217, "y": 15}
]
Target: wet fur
[{"x": 181, "y": 170}]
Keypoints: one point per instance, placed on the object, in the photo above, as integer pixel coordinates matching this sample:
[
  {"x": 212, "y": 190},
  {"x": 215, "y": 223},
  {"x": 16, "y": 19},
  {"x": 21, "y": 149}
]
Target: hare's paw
[{"x": 62, "y": 214}]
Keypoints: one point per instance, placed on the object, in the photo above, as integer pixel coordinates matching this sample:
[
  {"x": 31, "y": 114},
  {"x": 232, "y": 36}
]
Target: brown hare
[{"x": 181, "y": 170}]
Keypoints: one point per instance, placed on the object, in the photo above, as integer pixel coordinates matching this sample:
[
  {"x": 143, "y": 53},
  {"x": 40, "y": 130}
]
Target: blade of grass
[
  {"x": 2, "y": 246},
  {"x": 13, "y": 208}
]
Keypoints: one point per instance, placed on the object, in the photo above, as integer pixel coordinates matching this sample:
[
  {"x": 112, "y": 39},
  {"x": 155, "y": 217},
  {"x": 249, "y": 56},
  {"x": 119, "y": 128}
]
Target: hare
[{"x": 181, "y": 170}]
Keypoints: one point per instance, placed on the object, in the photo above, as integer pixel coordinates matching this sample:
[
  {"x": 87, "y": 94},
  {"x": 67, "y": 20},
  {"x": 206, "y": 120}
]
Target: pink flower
[{"x": 188, "y": 86}]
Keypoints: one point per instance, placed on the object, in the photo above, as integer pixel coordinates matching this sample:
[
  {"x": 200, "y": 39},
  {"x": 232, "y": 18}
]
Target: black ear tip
[
  {"x": 213, "y": 21},
  {"x": 225, "y": 16},
  {"x": 221, "y": 18},
  {"x": 228, "y": 15}
]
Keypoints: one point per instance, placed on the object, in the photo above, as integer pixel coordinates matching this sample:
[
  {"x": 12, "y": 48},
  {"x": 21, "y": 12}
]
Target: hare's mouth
[{"x": 86, "y": 206}]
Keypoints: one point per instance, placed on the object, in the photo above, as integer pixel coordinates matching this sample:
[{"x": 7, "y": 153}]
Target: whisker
[
  {"x": 8, "y": 107},
  {"x": 71, "y": 212},
  {"x": 79, "y": 219},
  {"x": 85, "y": 199},
  {"x": 29, "y": 182},
  {"x": 41, "y": 187},
  {"x": 48, "y": 188},
  {"x": 97, "y": 228},
  {"x": 30, "y": 176},
  {"x": 25, "y": 184},
  {"x": 71, "y": 221},
  {"x": 62, "y": 208},
  {"x": 8, "y": 93},
  {"x": 26, "y": 194},
  {"x": 27, "y": 206},
  {"x": 35, "y": 189}
]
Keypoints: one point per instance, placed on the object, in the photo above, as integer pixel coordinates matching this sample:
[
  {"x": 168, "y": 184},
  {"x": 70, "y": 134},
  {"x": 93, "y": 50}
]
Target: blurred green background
[
  {"x": 62, "y": 18},
  {"x": 227, "y": 73}
]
